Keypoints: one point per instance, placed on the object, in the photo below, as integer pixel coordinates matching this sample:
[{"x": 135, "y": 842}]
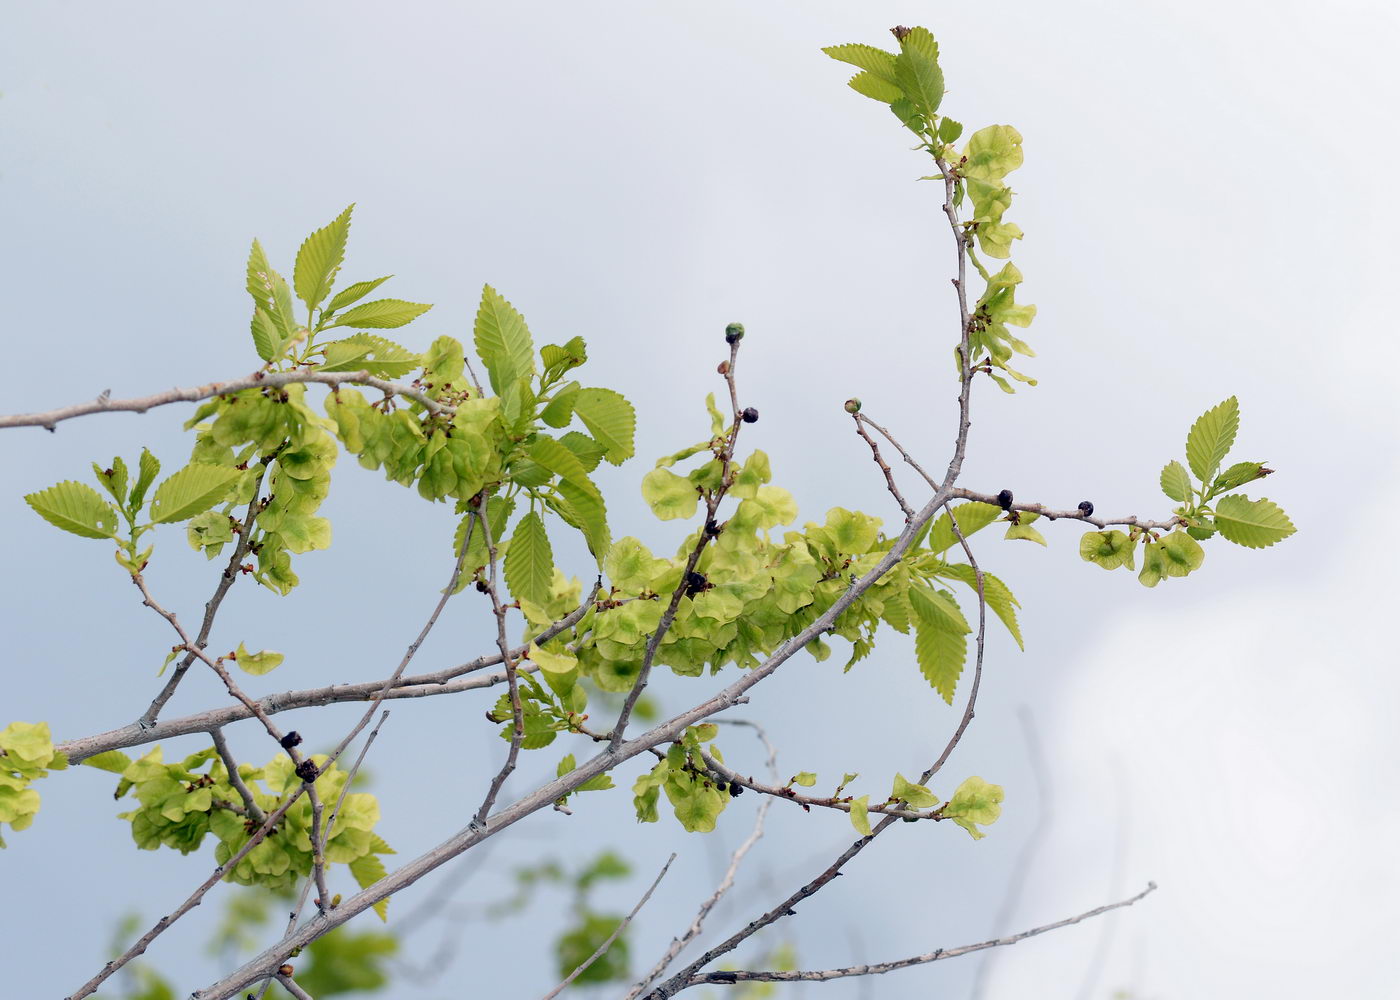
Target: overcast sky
[{"x": 1207, "y": 213}]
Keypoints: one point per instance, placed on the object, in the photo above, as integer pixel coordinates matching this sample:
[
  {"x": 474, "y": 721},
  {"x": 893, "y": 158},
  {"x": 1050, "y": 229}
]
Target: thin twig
[
  {"x": 448, "y": 681},
  {"x": 884, "y": 467},
  {"x": 234, "y": 778},
  {"x": 728, "y": 978},
  {"x": 697, "y": 925},
  {"x": 789, "y": 794},
  {"x": 517, "y": 711},
  {"x": 194, "y": 899},
  {"x": 49, "y": 419},
  {"x": 211, "y": 608},
  {"x": 613, "y": 936},
  {"x": 291, "y": 987}
]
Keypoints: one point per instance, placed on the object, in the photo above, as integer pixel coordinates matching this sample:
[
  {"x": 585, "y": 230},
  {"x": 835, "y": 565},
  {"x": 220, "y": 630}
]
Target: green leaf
[
  {"x": 369, "y": 869},
  {"x": 805, "y": 778},
  {"x": 558, "y": 459},
  {"x": 1176, "y": 483},
  {"x": 146, "y": 475},
  {"x": 1024, "y": 530},
  {"x": 860, "y": 815},
  {"x": 940, "y": 639},
  {"x": 76, "y": 508},
  {"x": 1211, "y": 437},
  {"x": 261, "y": 277},
  {"x": 975, "y": 802},
  {"x": 113, "y": 761},
  {"x": 381, "y": 314},
  {"x": 1255, "y": 524},
  {"x": 113, "y": 479},
  {"x": 257, "y": 664},
  {"x": 996, "y": 593},
  {"x": 590, "y": 515},
  {"x": 915, "y": 796},
  {"x": 972, "y": 517},
  {"x": 610, "y": 418},
  {"x": 670, "y": 496},
  {"x": 917, "y": 72},
  {"x": 875, "y": 61},
  {"x": 502, "y": 341},
  {"x": 1109, "y": 549},
  {"x": 872, "y": 86},
  {"x": 1237, "y": 475},
  {"x": 192, "y": 490},
  {"x": 949, "y": 130},
  {"x": 354, "y": 293},
  {"x": 267, "y": 338},
  {"x": 319, "y": 260},
  {"x": 369, "y": 352},
  {"x": 530, "y": 560}
]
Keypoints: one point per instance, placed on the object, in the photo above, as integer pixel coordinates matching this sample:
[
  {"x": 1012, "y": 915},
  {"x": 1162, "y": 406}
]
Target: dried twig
[
  {"x": 234, "y": 778},
  {"x": 49, "y": 419},
  {"x": 607, "y": 943}
]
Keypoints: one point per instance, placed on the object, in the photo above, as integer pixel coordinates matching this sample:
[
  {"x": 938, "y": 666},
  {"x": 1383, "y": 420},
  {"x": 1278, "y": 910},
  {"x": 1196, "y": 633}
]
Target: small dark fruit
[
  {"x": 750, "y": 415},
  {"x": 1086, "y": 508},
  {"x": 1004, "y": 499},
  {"x": 292, "y": 739}
]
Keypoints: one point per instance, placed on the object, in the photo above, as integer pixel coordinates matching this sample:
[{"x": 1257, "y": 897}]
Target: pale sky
[{"x": 1207, "y": 213}]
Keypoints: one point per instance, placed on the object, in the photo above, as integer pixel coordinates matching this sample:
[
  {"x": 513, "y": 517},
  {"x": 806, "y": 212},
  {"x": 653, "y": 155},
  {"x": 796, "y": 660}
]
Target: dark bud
[
  {"x": 735, "y": 791},
  {"x": 750, "y": 415},
  {"x": 712, "y": 529},
  {"x": 733, "y": 333},
  {"x": 292, "y": 739},
  {"x": 852, "y": 405},
  {"x": 1086, "y": 508},
  {"x": 1004, "y": 499},
  {"x": 900, "y": 31},
  {"x": 695, "y": 583},
  {"x": 482, "y": 588},
  {"x": 306, "y": 771}
]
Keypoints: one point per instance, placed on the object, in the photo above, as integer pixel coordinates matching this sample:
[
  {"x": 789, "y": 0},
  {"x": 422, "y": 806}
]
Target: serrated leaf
[
  {"x": 76, "y": 508},
  {"x": 149, "y": 468},
  {"x": 1255, "y": 524},
  {"x": 381, "y": 314},
  {"x": 1238, "y": 475},
  {"x": 353, "y": 293},
  {"x": 1211, "y": 437},
  {"x": 872, "y": 86},
  {"x": 917, "y": 71},
  {"x": 558, "y": 459},
  {"x": 1176, "y": 483},
  {"x": 502, "y": 341},
  {"x": 559, "y": 411},
  {"x": 972, "y": 517},
  {"x": 875, "y": 61},
  {"x": 998, "y": 596},
  {"x": 938, "y": 609},
  {"x": 259, "y": 663},
  {"x": 115, "y": 483},
  {"x": 590, "y": 515},
  {"x": 611, "y": 420},
  {"x": 369, "y": 352},
  {"x": 975, "y": 802},
  {"x": 267, "y": 335},
  {"x": 319, "y": 260},
  {"x": 860, "y": 815},
  {"x": 192, "y": 490},
  {"x": 530, "y": 560},
  {"x": 588, "y": 451},
  {"x": 369, "y": 869}
]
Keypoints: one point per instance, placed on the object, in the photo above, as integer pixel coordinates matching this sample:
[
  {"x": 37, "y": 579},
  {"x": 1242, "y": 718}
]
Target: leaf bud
[
  {"x": 852, "y": 405},
  {"x": 1004, "y": 499},
  {"x": 733, "y": 333},
  {"x": 750, "y": 415},
  {"x": 900, "y": 31},
  {"x": 292, "y": 739},
  {"x": 1086, "y": 508},
  {"x": 285, "y": 970},
  {"x": 723, "y": 368}
]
